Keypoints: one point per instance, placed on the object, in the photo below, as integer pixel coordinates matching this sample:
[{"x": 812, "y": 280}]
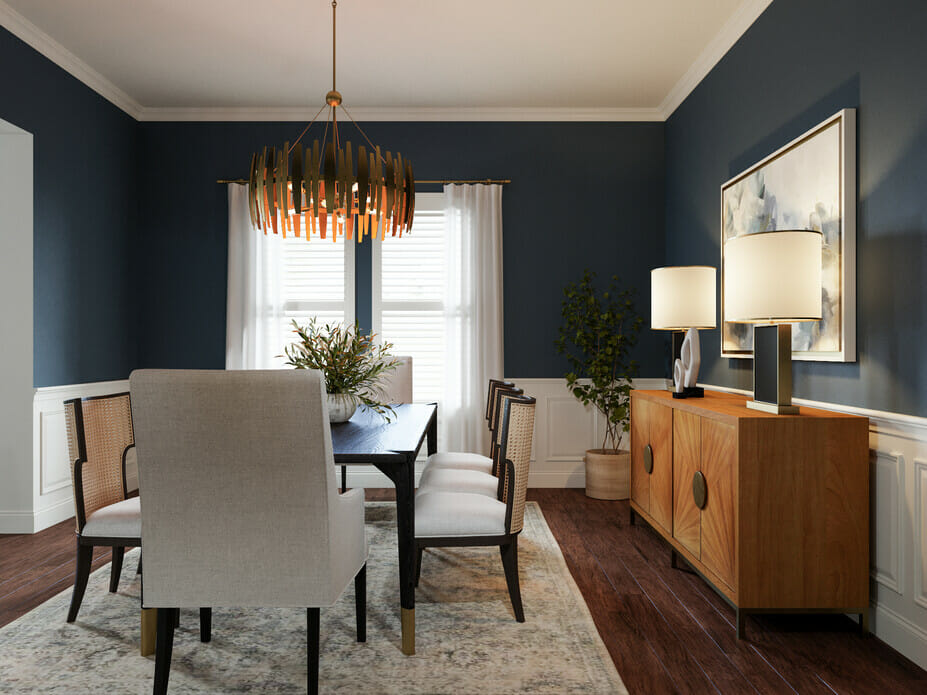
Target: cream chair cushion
[
  {"x": 445, "y": 514},
  {"x": 460, "y": 460},
  {"x": 459, "y": 480},
  {"x": 119, "y": 520}
]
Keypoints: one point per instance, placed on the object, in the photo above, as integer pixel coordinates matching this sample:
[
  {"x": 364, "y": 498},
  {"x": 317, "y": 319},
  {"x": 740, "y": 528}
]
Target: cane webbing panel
[
  {"x": 517, "y": 449},
  {"x": 107, "y": 433},
  {"x": 502, "y": 395}
]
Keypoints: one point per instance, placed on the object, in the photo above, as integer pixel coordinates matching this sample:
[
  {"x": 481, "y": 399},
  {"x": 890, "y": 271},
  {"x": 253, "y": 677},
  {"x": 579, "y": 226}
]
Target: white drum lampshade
[
  {"x": 773, "y": 278},
  {"x": 682, "y": 297}
]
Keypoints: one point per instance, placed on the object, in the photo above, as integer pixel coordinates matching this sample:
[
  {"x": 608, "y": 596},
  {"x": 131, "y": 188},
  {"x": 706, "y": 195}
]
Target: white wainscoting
[
  {"x": 53, "y": 501},
  {"x": 898, "y": 525}
]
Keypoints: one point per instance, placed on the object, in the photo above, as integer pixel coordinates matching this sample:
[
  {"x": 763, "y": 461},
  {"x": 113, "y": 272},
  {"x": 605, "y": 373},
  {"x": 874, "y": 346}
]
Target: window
[
  {"x": 409, "y": 279},
  {"x": 314, "y": 278}
]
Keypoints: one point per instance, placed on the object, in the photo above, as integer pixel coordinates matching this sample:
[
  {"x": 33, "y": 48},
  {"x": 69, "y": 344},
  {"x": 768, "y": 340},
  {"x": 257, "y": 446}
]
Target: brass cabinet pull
[
  {"x": 699, "y": 490},
  {"x": 648, "y": 459}
]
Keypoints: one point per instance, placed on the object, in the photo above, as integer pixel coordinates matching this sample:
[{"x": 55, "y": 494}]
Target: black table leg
[
  {"x": 403, "y": 478},
  {"x": 405, "y": 520}
]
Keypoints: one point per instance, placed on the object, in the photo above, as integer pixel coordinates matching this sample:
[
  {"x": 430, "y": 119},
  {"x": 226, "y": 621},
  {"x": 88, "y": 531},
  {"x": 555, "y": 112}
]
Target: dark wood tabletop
[{"x": 368, "y": 438}]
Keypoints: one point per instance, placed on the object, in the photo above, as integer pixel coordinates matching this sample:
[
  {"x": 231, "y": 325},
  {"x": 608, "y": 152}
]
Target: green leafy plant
[
  {"x": 352, "y": 363},
  {"x": 597, "y": 335}
]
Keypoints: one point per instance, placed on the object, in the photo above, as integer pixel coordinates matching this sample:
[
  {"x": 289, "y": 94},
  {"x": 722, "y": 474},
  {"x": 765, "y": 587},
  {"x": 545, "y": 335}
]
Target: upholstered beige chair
[
  {"x": 466, "y": 519},
  {"x": 240, "y": 503},
  {"x": 463, "y": 460},
  {"x": 450, "y": 479},
  {"x": 100, "y": 438},
  {"x": 397, "y": 384}
]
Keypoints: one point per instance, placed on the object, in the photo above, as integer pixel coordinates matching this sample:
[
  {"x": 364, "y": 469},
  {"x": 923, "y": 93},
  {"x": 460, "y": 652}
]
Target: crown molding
[
  {"x": 406, "y": 113},
  {"x": 735, "y": 27},
  {"x": 26, "y": 31},
  {"x": 732, "y": 30}
]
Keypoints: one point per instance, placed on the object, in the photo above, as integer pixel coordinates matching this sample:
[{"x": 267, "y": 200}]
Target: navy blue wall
[
  {"x": 84, "y": 180},
  {"x": 802, "y": 61},
  {"x": 582, "y": 194}
]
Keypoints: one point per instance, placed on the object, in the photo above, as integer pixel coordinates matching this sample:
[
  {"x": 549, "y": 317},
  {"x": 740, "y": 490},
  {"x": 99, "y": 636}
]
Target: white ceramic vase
[{"x": 341, "y": 407}]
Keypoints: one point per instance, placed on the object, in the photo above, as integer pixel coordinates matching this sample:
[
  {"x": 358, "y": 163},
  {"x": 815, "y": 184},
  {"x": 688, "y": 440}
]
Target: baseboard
[
  {"x": 16, "y": 522},
  {"x": 900, "y": 634},
  {"x": 53, "y": 514}
]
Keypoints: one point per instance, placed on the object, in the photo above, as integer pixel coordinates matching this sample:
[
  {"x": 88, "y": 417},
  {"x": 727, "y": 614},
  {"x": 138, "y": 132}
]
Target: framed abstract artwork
[{"x": 810, "y": 183}]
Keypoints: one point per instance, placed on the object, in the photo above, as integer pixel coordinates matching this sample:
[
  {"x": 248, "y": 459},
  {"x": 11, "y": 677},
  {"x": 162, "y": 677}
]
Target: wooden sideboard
[{"x": 771, "y": 510}]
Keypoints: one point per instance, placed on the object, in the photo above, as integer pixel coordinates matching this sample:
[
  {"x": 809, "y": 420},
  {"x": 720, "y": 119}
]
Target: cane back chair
[
  {"x": 445, "y": 519},
  {"x": 100, "y": 438}
]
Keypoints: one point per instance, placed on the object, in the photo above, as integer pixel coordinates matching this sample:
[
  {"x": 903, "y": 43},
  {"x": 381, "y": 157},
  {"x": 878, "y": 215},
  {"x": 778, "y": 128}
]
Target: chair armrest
[
  {"x": 79, "y": 494},
  {"x": 508, "y": 477},
  {"x": 125, "y": 490}
]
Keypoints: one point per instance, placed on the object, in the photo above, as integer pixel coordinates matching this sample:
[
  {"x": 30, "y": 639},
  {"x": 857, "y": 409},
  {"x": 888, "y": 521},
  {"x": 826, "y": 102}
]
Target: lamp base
[
  {"x": 772, "y": 370},
  {"x": 773, "y": 408},
  {"x": 690, "y": 392}
]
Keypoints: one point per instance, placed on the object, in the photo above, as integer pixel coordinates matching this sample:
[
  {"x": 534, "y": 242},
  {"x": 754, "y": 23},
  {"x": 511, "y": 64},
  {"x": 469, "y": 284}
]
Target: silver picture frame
[{"x": 809, "y": 183}]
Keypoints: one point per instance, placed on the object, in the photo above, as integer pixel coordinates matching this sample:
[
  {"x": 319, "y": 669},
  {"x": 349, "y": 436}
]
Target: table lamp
[
  {"x": 773, "y": 279},
  {"x": 682, "y": 298}
]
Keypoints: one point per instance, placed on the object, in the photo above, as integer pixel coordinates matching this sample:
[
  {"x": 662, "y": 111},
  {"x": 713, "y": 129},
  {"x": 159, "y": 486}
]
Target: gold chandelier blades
[
  {"x": 292, "y": 190},
  {"x": 323, "y": 190}
]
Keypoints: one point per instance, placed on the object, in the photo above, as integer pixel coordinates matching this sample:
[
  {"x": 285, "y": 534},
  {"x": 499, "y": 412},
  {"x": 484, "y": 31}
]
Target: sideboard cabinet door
[
  {"x": 652, "y": 460},
  {"x": 686, "y": 462},
  {"x": 640, "y": 440},
  {"x": 718, "y": 465},
  {"x": 661, "y": 480}
]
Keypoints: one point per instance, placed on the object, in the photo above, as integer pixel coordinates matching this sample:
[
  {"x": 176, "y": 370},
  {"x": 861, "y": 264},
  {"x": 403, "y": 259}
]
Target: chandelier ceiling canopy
[{"x": 324, "y": 190}]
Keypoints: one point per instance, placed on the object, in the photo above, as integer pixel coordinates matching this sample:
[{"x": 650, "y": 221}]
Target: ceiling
[{"x": 621, "y": 59}]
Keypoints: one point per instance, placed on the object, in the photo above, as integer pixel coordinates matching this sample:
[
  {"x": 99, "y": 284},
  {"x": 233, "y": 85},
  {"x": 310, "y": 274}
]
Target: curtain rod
[{"x": 441, "y": 181}]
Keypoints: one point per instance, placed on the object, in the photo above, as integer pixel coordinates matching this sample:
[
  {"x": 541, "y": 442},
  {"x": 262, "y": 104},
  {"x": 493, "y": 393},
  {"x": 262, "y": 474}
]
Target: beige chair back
[
  {"x": 99, "y": 432},
  {"x": 239, "y": 500},
  {"x": 517, "y": 436},
  {"x": 397, "y": 383}
]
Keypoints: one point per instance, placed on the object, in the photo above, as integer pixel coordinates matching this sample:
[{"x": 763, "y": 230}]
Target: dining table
[
  {"x": 390, "y": 442},
  {"x": 392, "y": 445}
]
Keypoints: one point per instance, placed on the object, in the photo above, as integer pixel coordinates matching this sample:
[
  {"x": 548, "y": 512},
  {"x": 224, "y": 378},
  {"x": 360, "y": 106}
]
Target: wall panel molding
[
  {"x": 920, "y": 532},
  {"x": 887, "y": 515}
]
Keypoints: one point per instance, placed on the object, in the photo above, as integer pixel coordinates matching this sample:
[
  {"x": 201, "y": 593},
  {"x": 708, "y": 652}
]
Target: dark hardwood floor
[{"x": 665, "y": 629}]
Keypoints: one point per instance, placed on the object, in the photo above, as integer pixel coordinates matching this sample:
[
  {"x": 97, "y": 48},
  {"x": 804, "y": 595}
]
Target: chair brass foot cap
[{"x": 407, "y": 619}]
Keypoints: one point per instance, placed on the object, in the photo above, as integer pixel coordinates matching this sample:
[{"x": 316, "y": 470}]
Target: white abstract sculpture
[{"x": 685, "y": 370}]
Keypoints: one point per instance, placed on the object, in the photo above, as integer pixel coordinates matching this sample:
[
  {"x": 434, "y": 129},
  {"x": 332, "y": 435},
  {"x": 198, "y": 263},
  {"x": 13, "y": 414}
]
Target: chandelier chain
[
  {"x": 373, "y": 147},
  {"x": 306, "y": 129},
  {"x": 334, "y": 41}
]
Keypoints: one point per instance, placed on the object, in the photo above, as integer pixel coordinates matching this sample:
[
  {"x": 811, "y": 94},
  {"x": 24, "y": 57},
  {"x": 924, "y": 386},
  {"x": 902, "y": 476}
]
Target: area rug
[{"x": 467, "y": 639}]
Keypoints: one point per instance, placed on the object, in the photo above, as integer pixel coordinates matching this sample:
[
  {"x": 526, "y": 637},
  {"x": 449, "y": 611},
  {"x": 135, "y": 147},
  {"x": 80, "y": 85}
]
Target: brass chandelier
[{"x": 316, "y": 190}]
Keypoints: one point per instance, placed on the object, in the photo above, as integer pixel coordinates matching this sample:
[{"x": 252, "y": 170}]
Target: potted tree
[
  {"x": 352, "y": 364},
  {"x": 598, "y": 332}
]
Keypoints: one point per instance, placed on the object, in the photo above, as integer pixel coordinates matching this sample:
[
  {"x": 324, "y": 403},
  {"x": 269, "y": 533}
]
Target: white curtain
[
  {"x": 254, "y": 320},
  {"x": 473, "y": 306}
]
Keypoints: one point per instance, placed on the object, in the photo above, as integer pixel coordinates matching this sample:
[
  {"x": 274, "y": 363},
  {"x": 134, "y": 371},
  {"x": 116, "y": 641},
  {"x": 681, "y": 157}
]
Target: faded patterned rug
[{"x": 467, "y": 639}]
